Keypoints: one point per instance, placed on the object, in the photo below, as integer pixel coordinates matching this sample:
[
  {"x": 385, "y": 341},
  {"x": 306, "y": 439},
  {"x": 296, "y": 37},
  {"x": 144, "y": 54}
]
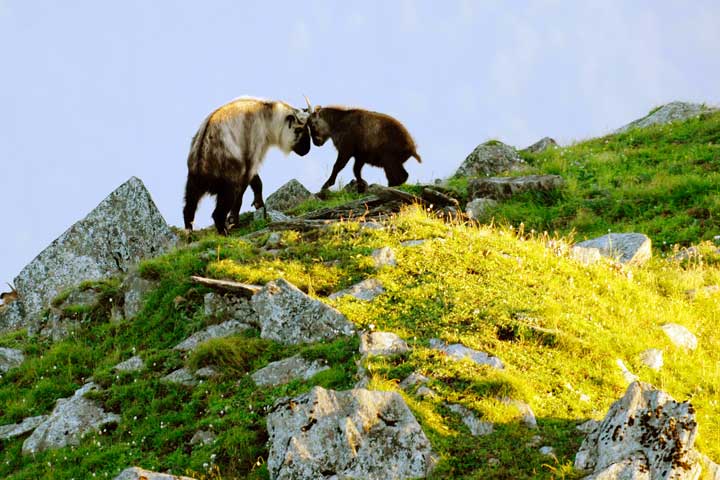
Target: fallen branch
[{"x": 243, "y": 289}]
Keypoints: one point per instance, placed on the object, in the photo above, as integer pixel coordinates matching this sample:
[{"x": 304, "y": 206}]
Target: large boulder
[
  {"x": 71, "y": 420},
  {"x": 289, "y": 316},
  {"x": 490, "y": 158},
  {"x": 646, "y": 434},
  {"x": 505, "y": 187},
  {"x": 631, "y": 248},
  {"x": 123, "y": 229},
  {"x": 288, "y": 196},
  {"x": 353, "y": 434},
  {"x": 671, "y": 112}
]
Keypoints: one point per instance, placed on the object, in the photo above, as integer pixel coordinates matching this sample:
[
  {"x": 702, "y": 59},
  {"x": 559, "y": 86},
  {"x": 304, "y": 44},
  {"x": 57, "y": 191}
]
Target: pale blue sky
[{"x": 92, "y": 92}]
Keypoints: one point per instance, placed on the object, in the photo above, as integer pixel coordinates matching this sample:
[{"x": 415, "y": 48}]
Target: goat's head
[
  {"x": 296, "y": 134},
  {"x": 319, "y": 128}
]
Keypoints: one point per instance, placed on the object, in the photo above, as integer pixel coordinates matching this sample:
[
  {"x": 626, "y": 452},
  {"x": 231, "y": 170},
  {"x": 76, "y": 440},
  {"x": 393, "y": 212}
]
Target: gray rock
[
  {"x": 123, "y": 229},
  {"x": 680, "y": 336},
  {"x": 589, "y": 426},
  {"x": 645, "y": 431},
  {"x": 545, "y": 143},
  {"x": 222, "y": 308},
  {"x": 626, "y": 373},
  {"x": 17, "y": 429},
  {"x": 652, "y": 358},
  {"x": 371, "y": 225},
  {"x": 477, "y": 427},
  {"x": 270, "y": 215},
  {"x": 587, "y": 256},
  {"x": 354, "y": 434},
  {"x": 225, "y": 329},
  {"x": 368, "y": 289},
  {"x": 382, "y": 343},
  {"x": 631, "y": 248},
  {"x": 205, "y": 372},
  {"x": 671, "y": 112},
  {"x": 413, "y": 243},
  {"x": 547, "y": 450},
  {"x": 490, "y": 158},
  {"x": 181, "y": 376},
  {"x": 69, "y": 422},
  {"x": 425, "y": 392},
  {"x": 384, "y": 257},
  {"x": 527, "y": 415},
  {"x": 132, "y": 364},
  {"x": 477, "y": 208},
  {"x": 414, "y": 379},
  {"x": 203, "y": 437},
  {"x": 135, "y": 288},
  {"x": 137, "y": 473},
  {"x": 289, "y": 196},
  {"x": 287, "y": 370},
  {"x": 274, "y": 240},
  {"x": 289, "y": 316},
  {"x": 12, "y": 317},
  {"x": 10, "y": 358},
  {"x": 632, "y": 468},
  {"x": 457, "y": 351},
  {"x": 505, "y": 187}
]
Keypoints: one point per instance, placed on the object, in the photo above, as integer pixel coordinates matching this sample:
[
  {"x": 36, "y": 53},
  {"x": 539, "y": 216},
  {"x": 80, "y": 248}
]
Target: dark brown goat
[
  {"x": 228, "y": 149},
  {"x": 373, "y": 138}
]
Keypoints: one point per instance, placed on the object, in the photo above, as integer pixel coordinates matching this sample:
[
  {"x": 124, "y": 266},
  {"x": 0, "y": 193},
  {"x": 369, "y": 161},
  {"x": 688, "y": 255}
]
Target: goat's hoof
[{"x": 323, "y": 194}]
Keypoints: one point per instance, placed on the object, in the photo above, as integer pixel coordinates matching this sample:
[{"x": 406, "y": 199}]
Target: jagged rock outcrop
[
  {"x": 17, "y": 429},
  {"x": 137, "y": 473},
  {"x": 499, "y": 188},
  {"x": 224, "y": 307},
  {"x": 10, "y": 358},
  {"x": 72, "y": 419},
  {"x": 630, "y": 248},
  {"x": 135, "y": 288},
  {"x": 288, "y": 196},
  {"x": 545, "y": 143},
  {"x": 289, "y": 316},
  {"x": 367, "y": 289},
  {"x": 287, "y": 370},
  {"x": 652, "y": 358},
  {"x": 670, "y": 112},
  {"x": 645, "y": 434},
  {"x": 123, "y": 229},
  {"x": 490, "y": 158},
  {"x": 353, "y": 434}
]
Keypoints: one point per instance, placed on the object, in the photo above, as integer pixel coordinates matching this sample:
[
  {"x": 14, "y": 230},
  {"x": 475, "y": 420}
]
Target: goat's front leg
[{"x": 340, "y": 163}]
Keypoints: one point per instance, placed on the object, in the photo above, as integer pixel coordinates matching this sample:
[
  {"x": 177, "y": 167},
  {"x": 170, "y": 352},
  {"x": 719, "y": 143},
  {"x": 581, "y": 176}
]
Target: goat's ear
[{"x": 290, "y": 119}]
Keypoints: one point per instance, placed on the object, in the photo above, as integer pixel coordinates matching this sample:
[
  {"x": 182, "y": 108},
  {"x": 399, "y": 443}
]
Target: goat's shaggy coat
[
  {"x": 228, "y": 149},
  {"x": 373, "y": 138}
]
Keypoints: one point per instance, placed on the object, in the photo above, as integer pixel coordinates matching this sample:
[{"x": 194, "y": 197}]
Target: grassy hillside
[
  {"x": 557, "y": 325},
  {"x": 663, "y": 181}
]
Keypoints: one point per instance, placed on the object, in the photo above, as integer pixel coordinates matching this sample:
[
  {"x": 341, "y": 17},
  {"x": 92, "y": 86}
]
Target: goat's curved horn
[{"x": 307, "y": 100}]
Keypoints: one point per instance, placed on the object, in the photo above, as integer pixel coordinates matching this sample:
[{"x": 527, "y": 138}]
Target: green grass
[
  {"x": 557, "y": 325},
  {"x": 663, "y": 181}
]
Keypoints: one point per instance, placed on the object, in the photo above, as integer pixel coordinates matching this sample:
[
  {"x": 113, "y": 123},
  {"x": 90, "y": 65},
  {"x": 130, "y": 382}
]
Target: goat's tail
[{"x": 417, "y": 157}]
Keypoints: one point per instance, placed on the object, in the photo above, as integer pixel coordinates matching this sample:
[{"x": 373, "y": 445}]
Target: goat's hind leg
[
  {"x": 193, "y": 193},
  {"x": 225, "y": 202}
]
